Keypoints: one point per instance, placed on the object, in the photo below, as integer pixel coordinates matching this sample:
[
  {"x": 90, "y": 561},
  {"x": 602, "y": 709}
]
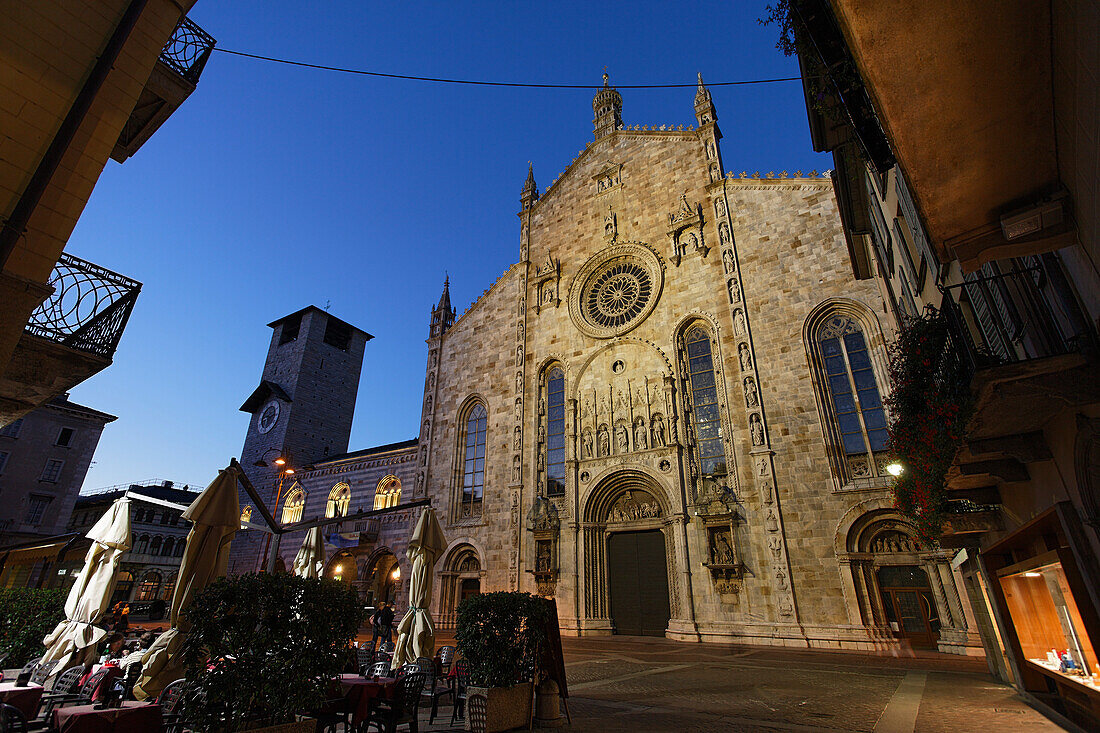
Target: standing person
[
  {"x": 385, "y": 617},
  {"x": 376, "y": 625}
]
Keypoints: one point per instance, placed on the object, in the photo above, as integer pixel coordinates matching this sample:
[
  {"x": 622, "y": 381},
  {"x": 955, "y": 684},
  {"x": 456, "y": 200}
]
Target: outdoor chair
[
  {"x": 380, "y": 669},
  {"x": 42, "y": 672},
  {"x": 365, "y": 656},
  {"x": 11, "y": 720},
  {"x": 477, "y": 705},
  {"x": 462, "y": 682},
  {"x": 408, "y": 668},
  {"x": 405, "y": 708},
  {"x": 446, "y": 656},
  {"x": 64, "y": 687},
  {"x": 387, "y": 647},
  {"x": 129, "y": 679},
  {"x": 433, "y": 690},
  {"x": 30, "y": 666}
]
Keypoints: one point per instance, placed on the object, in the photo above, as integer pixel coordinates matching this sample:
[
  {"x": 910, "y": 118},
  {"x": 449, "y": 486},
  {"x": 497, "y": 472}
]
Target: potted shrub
[
  {"x": 264, "y": 648},
  {"x": 501, "y": 636}
]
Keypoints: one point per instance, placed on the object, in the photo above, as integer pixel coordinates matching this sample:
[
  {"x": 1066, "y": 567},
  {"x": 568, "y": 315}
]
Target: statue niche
[{"x": 545, "y": 525}]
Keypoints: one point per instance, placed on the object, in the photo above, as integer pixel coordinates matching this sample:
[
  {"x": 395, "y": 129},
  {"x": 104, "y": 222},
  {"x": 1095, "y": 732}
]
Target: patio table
[
  {"x": 132, "y": 717},
  {"x": 359, "y": 691},
  {"x": 25, "y": 699}
]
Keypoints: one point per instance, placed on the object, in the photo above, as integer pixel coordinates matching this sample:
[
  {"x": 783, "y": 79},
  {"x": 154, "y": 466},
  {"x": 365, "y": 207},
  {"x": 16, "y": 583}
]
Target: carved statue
[
  {"x": 609, "y": 230},
  {"x": 757, "y": 429},
  {"x": 547, "y": 293},
  {"x": 776, "y": 546},
  {"x": 419, "y": 482},
  {"x": 621, "y": 439},
  {"x": 763, "y": 467},
  {"x": 738, "y": 323},
  {"x": 727, "y": 255},
  {"x": 751, "y": 397},
  {"x": 658, "y": 430},
  {"x": 770, "y": 521},
  {"x": 766, "y": 491},
  {"x": 781, "y": 579},
  {"x": 542, "y": 558},
  {"x": 519, "y": 355},
  {"x": 519, "y": 381},
  {"x": 519, "y": 331},
  {"x": 519, "y": 409},
  {"x": 735, "y": 291},
  {"x": 542, "y": 404},
  {"x": 604, "y": 441},
  {"x": 542, "y": 432},
  {"x": 639, "y": 436},
  {"x": 587, "y": 443},
  {"x": 434, "y": 360},
  {"x": 745, "y": 356},
  {"x": 720, "y": 207},
  {"x": 431, "y": 380},
  {"x": 515, "y": 470},
  {"x": 724, "y": 238},
  {"x": 723, "y": 552},
  {"x": 785, "y": 607},
  {"x": 541, "y": 461},
  {"x": 517, "y": 438}
]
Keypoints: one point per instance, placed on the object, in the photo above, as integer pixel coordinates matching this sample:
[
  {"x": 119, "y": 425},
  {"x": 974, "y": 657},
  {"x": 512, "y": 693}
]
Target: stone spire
[
  {"x": 530, "y": 193},
  {"x": 443, "y": 315},
  {"x": 608, "y": 107},
  {"x": 704, "y": 107}
]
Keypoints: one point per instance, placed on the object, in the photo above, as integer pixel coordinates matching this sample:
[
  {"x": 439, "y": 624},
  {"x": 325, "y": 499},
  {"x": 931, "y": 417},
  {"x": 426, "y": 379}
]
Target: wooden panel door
[{"x": 638, "y": 582}]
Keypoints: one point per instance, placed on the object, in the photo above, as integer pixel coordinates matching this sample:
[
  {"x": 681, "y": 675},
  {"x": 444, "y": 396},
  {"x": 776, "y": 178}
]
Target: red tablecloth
[
  {"x": 132, "y": 717},
  {"x": 26, "y": 699},
  {"x": 359, "y": 691}
]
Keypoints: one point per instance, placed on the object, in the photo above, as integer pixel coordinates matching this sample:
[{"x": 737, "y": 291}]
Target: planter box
[{"x": 507, "y": 708}]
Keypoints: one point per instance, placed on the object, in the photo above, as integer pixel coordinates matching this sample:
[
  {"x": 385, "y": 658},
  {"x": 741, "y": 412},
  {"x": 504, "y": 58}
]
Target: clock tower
[{"x": 301, "y": 410}]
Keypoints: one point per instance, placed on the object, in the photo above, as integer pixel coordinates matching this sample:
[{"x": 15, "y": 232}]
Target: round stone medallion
[{"x": 615, "y": 290}]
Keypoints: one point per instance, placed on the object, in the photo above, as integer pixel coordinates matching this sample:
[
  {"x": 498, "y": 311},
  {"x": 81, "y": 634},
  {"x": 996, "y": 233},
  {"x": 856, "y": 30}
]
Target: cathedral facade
[{"x": 667, "y": 415}]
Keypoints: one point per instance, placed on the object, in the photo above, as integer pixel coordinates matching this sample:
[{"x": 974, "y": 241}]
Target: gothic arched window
[
  {"x": 706, "y": 417},
  {"x": 853, "y": 391},
  {"x": 473, "y": 459},
  {"x": 338, "y": 500},
  {"x": 142, "y": 545},
  {"x": 388, "y": 493},
  {"x": 555, "y": 432},
  {"x": 154, "y": 546},
  {"x": 167, "y": 548},
  {"x": 292, "y": 506}
]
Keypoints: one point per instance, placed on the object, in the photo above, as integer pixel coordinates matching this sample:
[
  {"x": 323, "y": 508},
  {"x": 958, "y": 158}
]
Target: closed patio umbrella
[
  {"x": 75, "y": 640},
  {"x": 310, "y": 560},
  {"x": 216, "y": 516},
  {"x": 415, "y": 633}
]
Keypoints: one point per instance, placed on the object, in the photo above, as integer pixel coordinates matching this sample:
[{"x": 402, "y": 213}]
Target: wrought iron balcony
[
  {"x": 188, "y": 50},
  {"x": 174, "y": 77},
  {"x": 1021, "y": 311},
  {"x": 89, "y": 307}
]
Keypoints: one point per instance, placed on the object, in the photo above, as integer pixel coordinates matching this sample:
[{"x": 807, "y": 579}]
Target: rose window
[{"x": 615, "y": 290}]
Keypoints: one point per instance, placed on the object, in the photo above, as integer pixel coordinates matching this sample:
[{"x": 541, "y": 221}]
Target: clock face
[{"x": 269, "y": 416}]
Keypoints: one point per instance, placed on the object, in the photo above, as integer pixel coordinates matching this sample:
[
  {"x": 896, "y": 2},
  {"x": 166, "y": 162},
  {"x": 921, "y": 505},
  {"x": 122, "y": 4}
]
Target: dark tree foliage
[
  {"x": 264, "y": 647},
  {"x": 501, "y": 635},
  {"x": 26, "y": 616}
]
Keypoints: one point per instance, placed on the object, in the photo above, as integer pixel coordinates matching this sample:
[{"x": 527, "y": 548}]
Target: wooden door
[
  {"x": 637, "y": 579},
  {"x": 909, "y": 605}
]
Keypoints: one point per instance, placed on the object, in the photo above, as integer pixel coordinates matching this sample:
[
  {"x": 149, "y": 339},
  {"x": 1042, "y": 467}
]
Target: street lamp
[
  {"x": 895, "y": 469},
  {"x": 279, "y": 462}
]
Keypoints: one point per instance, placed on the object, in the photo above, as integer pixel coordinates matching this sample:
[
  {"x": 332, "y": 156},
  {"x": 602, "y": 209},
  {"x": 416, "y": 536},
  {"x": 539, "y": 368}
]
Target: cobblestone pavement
[{"x": 624, "y": 684}]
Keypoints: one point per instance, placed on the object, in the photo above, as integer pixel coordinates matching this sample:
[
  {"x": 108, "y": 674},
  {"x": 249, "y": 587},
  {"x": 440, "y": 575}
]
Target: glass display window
[{"x": 1047, "y": 619}]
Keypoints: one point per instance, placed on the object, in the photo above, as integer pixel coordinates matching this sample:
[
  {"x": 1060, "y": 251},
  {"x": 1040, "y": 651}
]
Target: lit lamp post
[
  {"x": 280, "y": 462},
  {"x": 895, "y": 469}
]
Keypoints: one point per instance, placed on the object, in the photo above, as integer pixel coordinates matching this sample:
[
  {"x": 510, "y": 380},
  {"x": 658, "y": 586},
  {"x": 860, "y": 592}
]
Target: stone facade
[{"x": 570, "y": 405}]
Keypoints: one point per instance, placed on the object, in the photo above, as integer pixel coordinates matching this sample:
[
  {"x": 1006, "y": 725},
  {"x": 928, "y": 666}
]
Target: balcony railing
[
  {"x": 188, "y": 50},
  {"x": 89, "y": 307},
  {"x": 1020, "y": 311}
]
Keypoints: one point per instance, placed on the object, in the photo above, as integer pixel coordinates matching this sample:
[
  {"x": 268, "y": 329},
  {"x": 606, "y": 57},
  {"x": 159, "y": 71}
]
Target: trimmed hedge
[{"x": 27, "y": 615}]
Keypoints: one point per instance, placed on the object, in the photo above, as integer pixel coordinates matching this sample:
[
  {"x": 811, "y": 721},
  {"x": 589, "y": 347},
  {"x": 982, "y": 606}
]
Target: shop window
[{"x": 555, "y": 433}]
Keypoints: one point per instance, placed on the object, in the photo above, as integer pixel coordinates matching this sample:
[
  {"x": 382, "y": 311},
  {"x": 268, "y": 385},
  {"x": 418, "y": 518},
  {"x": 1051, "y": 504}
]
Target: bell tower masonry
[
  {"x": 301, "y": 410},
  {"x": 608, "y": 108}
]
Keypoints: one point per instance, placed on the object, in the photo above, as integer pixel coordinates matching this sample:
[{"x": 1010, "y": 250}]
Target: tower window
[
  {"x": 337, "y": 334},
  {"x": 555, "y": 433},
  {"x": 291, "y": 326}
]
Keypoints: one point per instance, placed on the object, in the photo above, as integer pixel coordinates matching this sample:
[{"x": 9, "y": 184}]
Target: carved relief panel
[{"x": 685, "y": 231}]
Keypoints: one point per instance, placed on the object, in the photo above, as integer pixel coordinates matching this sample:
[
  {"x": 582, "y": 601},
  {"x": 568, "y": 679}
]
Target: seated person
[
  {"x": 143, "y": 645},
  {"x": 112, "y": 647}
]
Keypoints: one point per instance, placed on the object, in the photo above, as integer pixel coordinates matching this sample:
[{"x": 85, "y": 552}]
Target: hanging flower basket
[{"x": 929, "y": 408}]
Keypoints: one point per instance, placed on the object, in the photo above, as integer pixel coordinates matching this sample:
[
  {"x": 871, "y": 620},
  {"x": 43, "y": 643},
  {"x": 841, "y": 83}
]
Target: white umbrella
[
  {"x": 216, "y": 514},
  {"x": 415, "y": 633},
  {"x": 75, "y": 639},
  {"x": 310, "y": 560}
]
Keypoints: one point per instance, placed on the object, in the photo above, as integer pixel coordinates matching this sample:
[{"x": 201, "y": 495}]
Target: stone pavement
[{"x": 631, "y": 684}]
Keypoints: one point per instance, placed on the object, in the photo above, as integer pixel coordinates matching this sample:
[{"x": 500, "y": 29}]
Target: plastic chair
[
  {"x": 462, "y": 682},
  {"x": 405, "y": 708},
  {"x": 387, "y": 647},
  {"x": 42, "y": 672},
  {"x": 477, "y": 705},
  {"x": 12, "y": 720},
  {"x": 380, "y": 669},
  {"x": 64, "y": 687},
  {"x": 432, "y": 690},
  {"x": 365, "y": 657}
]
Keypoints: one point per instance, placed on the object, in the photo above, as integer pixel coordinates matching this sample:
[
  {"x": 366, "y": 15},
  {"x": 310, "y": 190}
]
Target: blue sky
[{"x": 275, "y": 187}]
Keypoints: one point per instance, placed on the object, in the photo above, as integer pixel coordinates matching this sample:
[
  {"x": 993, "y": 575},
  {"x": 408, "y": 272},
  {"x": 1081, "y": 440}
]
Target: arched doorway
[
  {"x": 342, "y": 567},
  {"x": 903, "y": 592},
  {"x": 460, "y": 579},
  {"x": 382, "y": 579},
  {"x": 627, "y": 551}
]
